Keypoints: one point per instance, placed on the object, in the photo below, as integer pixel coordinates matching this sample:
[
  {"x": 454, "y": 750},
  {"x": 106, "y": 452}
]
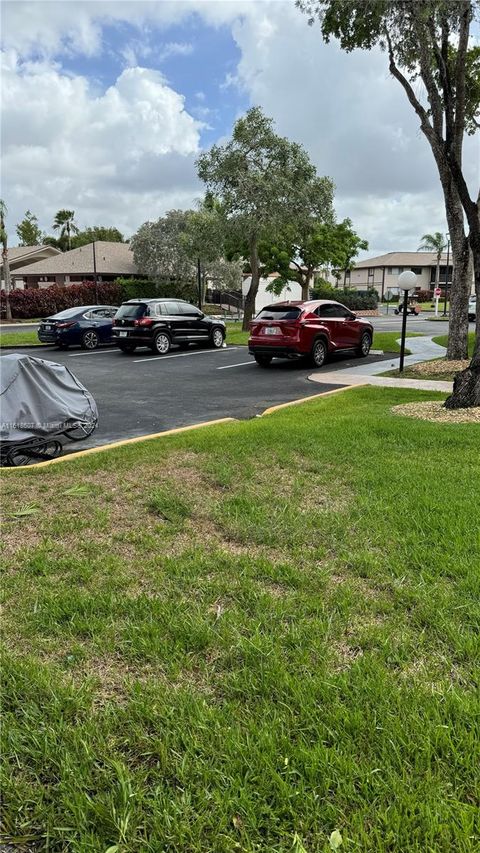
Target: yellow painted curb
[
  {"x": 122, "y": 443},
  {"x": 273, "y": 409}
]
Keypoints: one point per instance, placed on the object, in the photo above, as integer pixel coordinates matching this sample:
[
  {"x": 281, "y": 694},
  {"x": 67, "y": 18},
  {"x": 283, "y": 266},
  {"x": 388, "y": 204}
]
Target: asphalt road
[{"x": 144, "y": 393}]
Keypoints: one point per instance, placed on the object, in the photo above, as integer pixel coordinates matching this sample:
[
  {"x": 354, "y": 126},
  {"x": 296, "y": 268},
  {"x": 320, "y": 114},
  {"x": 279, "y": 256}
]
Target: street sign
[{"x": 437, "y": 292}]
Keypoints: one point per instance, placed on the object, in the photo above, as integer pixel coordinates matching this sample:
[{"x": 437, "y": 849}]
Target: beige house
[
  {"x": 382, "y": 272},
  {"x": 21, "y": 257},
  {"x": 107, "y": 261}
]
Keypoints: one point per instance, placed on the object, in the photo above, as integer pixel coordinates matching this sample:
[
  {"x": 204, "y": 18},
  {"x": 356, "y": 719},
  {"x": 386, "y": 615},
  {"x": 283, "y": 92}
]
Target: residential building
[
  {"x": 21, "y": 257},
  {"x": 107, "y": 260},
  {"x": 382, "y": 272}
]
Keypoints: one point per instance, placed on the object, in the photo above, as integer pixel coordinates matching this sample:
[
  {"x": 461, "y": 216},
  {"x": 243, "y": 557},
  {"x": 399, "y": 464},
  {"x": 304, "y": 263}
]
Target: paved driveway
[{"x": 144, "y": 393}]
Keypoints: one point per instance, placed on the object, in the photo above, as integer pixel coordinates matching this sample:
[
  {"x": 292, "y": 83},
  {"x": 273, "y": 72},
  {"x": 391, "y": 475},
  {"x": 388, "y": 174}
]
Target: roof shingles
[{"x": 111, "y": 259}]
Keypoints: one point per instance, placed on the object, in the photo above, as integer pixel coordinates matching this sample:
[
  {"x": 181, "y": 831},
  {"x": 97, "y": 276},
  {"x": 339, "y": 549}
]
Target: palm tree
[
  {"x": 434, "y": 243},
  {"x": 6, "y": 265},
  {"x": 64, "y": 220}
]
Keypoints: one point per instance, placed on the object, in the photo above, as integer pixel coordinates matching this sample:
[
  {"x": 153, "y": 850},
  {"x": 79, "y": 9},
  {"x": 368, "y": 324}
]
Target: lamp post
[
  {"x": 446, "y": 277},
  {"x": 406, "y": 281}
]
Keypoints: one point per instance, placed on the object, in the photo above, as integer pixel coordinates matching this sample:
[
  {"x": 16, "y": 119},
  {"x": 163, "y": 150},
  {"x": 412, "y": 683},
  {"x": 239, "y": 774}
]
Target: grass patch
[
  {"x": 19, "y": 339},
  {"x": 246, "y": 638},
  {"x": 443, "y": 341}
]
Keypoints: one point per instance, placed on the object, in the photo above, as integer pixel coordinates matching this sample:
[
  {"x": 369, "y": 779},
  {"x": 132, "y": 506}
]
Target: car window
[
  {"x": 69, "y": 312},
  {"x": 133, "y": 310},
  {"x": 279, "y": 312},
  {"x": 172, "y": 308},
  {"x": 191, "y": 310},
  {"x": 326, "y": 311},
  {"x": 97, "y": 314}
]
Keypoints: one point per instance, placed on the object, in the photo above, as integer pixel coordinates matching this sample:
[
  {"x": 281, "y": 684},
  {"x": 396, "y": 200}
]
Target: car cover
[{"x": 40, "y": 398}]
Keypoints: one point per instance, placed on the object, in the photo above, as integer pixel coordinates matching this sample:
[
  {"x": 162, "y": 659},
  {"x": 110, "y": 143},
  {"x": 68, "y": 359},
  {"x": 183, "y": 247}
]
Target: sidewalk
[{"x": 422, "y": 349}]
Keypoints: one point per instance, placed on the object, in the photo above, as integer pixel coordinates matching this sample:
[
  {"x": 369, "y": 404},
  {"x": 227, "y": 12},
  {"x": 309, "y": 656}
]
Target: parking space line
[
  {"x": 182, "y": 355},
  {"x": 97, "y": 352},
  {"x": 242, "y": 364}
]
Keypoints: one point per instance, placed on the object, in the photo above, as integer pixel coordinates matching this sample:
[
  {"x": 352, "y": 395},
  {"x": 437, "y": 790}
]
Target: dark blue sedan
[{"x": 87, "y": 326}]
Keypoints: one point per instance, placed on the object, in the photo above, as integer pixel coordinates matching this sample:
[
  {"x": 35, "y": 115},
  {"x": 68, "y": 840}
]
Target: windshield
[
  {"x": 279, "y": 312},
  {"x": 132, "y": 310}
]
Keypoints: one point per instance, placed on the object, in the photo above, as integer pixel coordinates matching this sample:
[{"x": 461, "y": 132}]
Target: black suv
[{"x": 159, "y": 323}]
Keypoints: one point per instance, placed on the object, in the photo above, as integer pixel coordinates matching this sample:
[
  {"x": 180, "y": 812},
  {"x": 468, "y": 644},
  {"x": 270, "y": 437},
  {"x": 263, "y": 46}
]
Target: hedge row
[
  {"x": 31, "y": 303},
  {"x": 354, "y": 299}
]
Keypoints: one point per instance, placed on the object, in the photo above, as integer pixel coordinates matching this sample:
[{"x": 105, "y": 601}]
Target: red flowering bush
[{"x": 39, "y": 303}]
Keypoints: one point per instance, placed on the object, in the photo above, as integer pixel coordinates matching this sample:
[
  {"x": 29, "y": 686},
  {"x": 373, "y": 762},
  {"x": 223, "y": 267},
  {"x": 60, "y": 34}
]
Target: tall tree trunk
[
  {"x": 8, "y": 283},
  {"x": 306, "y": 278},
  {"x": 254, "y": 283},
  {"x": 459, "y": 294},
  {"x": 466, "y": 385}
]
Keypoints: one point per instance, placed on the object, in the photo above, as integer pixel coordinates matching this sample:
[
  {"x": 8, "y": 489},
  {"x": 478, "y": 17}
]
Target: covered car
[{"x": 39, "y": 402}]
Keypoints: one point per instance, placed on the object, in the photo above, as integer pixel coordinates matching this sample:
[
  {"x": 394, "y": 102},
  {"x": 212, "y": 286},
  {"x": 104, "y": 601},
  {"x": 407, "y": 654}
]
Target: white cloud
[
  {"x": 129, "y": 152},
  {"x": 118, "y": 158}
]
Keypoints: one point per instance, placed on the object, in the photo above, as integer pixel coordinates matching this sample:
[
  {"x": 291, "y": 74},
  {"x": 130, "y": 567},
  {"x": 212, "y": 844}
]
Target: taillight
[
  {"x": 65, "y": 325},
  {"x": 145, "y": 321}
]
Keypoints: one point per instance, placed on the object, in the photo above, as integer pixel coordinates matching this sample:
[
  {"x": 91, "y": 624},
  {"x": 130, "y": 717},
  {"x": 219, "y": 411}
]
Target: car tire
[
  {"x": 471, "y": 318},
  {"x": 365, "y": 345},
  {"x": 319, "y": 352},
  {"x": 217, "y": 338},
  {"x": 127, "y": 348},
  {"x": 161, "y": 343},
  {"x": 90, "y": 339},
  {"x": 263, "y": 360}
]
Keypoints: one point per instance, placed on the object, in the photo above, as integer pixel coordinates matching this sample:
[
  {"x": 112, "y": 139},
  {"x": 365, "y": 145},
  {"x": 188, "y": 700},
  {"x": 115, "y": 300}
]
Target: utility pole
[
  {"x": 95, "y": 273},
  {"x": 199, "y": 283}
]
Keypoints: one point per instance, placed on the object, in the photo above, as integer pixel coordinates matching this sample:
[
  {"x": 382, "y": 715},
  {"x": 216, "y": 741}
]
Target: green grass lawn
[
  {"x": 246, "y": 637},
  {"x": 443, "y": 341},
  {"x": 386, "y": 341},
  {"x": 18, "y": 339}
]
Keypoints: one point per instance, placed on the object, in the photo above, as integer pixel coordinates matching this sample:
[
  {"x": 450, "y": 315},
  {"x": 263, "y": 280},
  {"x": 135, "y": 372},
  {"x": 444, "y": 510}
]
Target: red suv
[{"x": 314, "y": 329}]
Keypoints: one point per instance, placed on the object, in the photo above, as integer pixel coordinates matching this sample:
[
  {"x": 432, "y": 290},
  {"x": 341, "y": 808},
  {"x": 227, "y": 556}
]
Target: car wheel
[
  {"x": 263, "y": 360},
  {"x": 161, "y": 343},
  {"x": 365, "y": 344},
  {"x": 471, "y": 318},
  {"x": 90, "y": 339},
  {"x": 128, "y": 348},
  {"x": 217, "y": 338},
  {"x": 319, "y": 353}
]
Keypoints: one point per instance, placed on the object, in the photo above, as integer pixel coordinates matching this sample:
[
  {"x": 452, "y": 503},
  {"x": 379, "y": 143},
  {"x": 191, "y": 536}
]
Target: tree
[
  {"x": 98, "y": 232},
  {"x": 65, "y": 223},
  {"x": 6, "y": 265},
  {"x": 262, "y": 181},
  {"x": 159, "y": 250},
  {"x": 434, "y": 243},
  {"x": 428, "y": 41},
  {"x": 322, "y": 244},
  {"x": 28, "y": 232}
]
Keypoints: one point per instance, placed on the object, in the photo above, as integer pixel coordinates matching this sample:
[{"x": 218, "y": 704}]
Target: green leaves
[{"x": 24, "y": 512}]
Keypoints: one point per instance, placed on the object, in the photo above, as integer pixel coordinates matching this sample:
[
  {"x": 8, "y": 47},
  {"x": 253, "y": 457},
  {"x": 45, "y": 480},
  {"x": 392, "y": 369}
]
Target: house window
[
  {"x": 347, "y": 274},
  {"x": 389, "y": 270},
  {"x": 371, "y": 272},
  {"x": 416, "y": 270},
  {"x": 395, "y": 270}
]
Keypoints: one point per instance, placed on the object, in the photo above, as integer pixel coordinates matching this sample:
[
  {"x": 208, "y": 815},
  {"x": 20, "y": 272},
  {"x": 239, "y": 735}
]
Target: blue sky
[
  {"x": 106, "y": 105},
  {"x": 196, "y": 59}
]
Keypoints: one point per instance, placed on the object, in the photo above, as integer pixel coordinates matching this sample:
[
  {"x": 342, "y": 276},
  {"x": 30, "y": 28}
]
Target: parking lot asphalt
[{"x": 143, "y": 393}]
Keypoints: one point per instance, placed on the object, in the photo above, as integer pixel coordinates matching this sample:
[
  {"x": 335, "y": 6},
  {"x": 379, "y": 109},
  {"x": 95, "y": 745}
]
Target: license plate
[
  {"x": 272, "y": 330},
  {"x": 47, "y": 328},
  {"x": 122, "y": 334}
]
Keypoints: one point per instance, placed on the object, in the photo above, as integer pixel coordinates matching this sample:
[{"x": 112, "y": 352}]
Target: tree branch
[{"x": 460, "y": 79}]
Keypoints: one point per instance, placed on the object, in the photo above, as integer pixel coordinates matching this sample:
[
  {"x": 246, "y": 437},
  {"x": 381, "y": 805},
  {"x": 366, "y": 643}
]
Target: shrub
[
  {"x": 424, "y": 295},
  {"x": 356, "y": 300},
  {"x": 44, "y": 302},
  {"x": 137, "y": 288},
  {"x": 30, "y": 303}
]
